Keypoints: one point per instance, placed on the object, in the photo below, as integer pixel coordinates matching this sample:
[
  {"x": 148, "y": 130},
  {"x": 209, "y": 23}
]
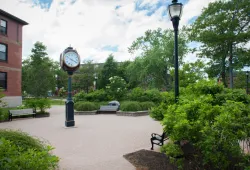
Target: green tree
[
  {"x": 61, "y": 76},
  {"x": 223, "y": 30},
  {"x": 84, "y": 78},
  {"x": 38, "y": 72},
  {"x": 156, "y": 57},
  {"x": 110, "y": 69},
  {"x": 116, "y": 89},
  {"x": 190, "y": 73},
  {"x": 122, "y": 70}
]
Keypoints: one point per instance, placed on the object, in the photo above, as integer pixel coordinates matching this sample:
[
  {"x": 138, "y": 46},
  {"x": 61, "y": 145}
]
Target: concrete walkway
[{"x": 98, "y": 142}]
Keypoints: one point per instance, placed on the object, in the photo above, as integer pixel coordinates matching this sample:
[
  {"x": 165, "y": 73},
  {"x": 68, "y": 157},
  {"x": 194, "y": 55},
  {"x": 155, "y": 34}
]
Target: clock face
[{"x": 71, "y": 59}]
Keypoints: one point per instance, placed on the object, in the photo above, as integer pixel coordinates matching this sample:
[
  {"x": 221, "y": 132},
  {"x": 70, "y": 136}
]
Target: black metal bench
[
  {"x": 158, "y": 139},
  {"x": 106, "y": 109},
  {"x": 21, "y": 112}
]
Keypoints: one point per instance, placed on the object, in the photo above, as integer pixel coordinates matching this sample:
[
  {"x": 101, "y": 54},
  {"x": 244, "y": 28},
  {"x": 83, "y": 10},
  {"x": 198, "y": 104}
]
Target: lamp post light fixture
[
  {"x": 96, "y": 82},
  {"x": 247, "y": 74},
  {"x": 175, "y": 12}
]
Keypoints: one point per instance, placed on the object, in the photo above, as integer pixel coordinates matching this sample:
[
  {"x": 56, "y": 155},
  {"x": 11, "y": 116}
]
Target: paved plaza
[{"x": 98, "y": 142}]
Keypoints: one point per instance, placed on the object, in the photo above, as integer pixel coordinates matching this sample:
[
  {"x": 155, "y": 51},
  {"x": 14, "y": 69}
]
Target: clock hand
[{"x": 73, "y": 60}]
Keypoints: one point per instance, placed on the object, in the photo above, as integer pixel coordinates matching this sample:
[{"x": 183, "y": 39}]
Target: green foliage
[
  {"x": 38, "y": 103},
  {"x": 238, "y": 95},
  {"x": 80, "y": 96},
  {"x": 157, "y": 112},
  {"x": 116, "y": 89},
  {"x": 190, "y": 73},
  {"x": 22, "y": 139},
  {"x": 20, "y": 151},
  {"x": 38, "y": 72},
  {"x": 97, "y": 96},
  {"x": 3, "y": 115},
  {"x": 85, "y": 106},
  {"x": 155, "y": 57},
  {"x": 211, "y": 118},
  {"x": 130, "y": 106},
  {"x": 109, "y": 69},
  {"x": 62, "y": 92},
  {"x": 173, "y": 150},
  {"x": 223, "y": 30},
  {"x": 153, "y": 95},
  {"x": 84, "y": 78},
  {"x": 138, "y": 94},
  {"x": 147, "y": 105}
]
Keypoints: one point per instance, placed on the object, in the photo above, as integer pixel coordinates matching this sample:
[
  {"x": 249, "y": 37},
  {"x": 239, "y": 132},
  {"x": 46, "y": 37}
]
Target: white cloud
[{"x": 89, "y": 25}]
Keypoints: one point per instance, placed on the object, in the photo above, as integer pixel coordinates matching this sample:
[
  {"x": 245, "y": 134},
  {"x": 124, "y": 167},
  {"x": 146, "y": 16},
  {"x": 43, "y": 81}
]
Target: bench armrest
[{"x": 155, "y": 134}]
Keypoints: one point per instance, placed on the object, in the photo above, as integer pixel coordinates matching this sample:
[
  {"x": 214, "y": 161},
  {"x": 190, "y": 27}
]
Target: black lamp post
[
  {"x": 175, "y": 12},
  {"x": 247, "y": 74}
]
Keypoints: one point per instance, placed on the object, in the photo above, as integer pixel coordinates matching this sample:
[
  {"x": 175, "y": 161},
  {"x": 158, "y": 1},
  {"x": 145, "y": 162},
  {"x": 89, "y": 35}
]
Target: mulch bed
[{"x": 149, "y": 160}]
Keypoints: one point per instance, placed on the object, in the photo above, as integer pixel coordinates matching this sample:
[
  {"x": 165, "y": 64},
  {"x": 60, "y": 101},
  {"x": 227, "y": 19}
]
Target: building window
[
  {"x": 3, "y": 27},
  {"x": 3, "y": 52},
  {"x": 3, "y": 80}
]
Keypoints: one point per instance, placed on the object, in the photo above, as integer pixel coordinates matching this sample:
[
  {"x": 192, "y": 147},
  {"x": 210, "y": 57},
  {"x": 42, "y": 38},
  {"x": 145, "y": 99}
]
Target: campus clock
[{"x": 70, "y": 60}]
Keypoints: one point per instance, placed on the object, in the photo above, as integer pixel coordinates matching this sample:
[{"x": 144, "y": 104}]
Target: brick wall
[{"x": 13, "y": 65}]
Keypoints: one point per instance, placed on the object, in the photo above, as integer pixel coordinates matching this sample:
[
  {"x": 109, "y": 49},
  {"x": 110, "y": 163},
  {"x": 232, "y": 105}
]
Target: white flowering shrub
[{"x": 116, "y": 89}]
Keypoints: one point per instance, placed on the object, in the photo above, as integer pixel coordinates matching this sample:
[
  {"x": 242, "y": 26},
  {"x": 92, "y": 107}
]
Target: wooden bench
[
  {"x": 21, "y": 112},
  {"x": 158, "y": 139},
  {"x": 108, "y": 109}
]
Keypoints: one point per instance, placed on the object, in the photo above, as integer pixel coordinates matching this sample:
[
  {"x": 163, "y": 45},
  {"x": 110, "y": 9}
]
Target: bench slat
[
  {"x": 21, "y": 112},
  {"x": 108, "y": 108}
]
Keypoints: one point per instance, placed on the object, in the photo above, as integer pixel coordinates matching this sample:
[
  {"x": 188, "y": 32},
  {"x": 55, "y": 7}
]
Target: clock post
[
  {"x": 69, "y": 120},
  {"x": 70, "y": 62}
]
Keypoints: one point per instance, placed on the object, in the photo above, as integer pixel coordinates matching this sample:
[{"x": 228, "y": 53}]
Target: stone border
[
  {"x": 134, "y": 114},
  {"x": 85, "y": 112},
  {"x": 47, "y": 114}
]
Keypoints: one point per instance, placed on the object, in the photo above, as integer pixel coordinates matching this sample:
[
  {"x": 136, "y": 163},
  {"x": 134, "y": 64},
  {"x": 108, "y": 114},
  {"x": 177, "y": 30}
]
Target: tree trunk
[
  {"x": 231, "y": 65},
  {"x": 223, "y": 71}
]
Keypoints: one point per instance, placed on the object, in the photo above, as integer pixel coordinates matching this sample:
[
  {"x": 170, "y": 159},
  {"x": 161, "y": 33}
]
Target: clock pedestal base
[
  {"x": 69, "y": 114},
  {"x": 70, "y": 123}
]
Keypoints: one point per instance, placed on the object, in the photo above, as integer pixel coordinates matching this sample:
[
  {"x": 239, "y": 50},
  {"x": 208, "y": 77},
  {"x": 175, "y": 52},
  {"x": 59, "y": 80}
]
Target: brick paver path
[{"x": 98, "y": 142}]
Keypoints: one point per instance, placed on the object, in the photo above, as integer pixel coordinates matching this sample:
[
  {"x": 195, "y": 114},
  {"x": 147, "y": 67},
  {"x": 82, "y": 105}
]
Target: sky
[{"x": 95, "y": 28}]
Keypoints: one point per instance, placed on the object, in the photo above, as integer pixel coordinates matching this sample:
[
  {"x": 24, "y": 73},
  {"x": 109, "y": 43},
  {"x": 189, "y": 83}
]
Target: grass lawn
[{"x": 57, "y": 102}]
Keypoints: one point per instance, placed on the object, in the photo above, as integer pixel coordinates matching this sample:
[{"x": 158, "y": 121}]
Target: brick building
[{"x": 11, "y": 57}]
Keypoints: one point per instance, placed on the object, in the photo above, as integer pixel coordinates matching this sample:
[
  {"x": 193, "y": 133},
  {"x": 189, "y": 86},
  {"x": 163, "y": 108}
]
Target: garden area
[{"x": 208, "y": 126}]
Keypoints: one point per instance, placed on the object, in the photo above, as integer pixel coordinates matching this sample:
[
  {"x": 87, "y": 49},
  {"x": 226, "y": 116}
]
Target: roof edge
[{"x": 8, "y": 15}]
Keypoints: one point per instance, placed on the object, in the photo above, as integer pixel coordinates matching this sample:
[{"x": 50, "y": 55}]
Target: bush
[
  {"x": 158, "y": 112},
  {"x": 20, "y": 151},
  {"x": 212, "y": 119},
  {"x": 153, "y": 95},
  {"x": 80, "y": 96},
  {"x": 116, "y": 89},
  {"x": 3, "y": 115},
  {"x": 22, "y": 139},
  {"x": 38, "y": 103},
  {"x": 131, "y": 106},
  {"x": 97, "y": 96},
  {"x": 85, "y": 106},
  {"x": 140, "y": 95},
  {"x": 146, "y": 105},
  {"x": 136, "y": 94}
]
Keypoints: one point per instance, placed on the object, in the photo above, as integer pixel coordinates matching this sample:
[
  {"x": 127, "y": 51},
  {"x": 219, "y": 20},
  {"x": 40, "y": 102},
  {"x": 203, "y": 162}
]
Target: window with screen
[
  {"x": 3, "y": 52},
  {"x": 3, "y": 26},
  {"x": 3, "y": 80}
]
